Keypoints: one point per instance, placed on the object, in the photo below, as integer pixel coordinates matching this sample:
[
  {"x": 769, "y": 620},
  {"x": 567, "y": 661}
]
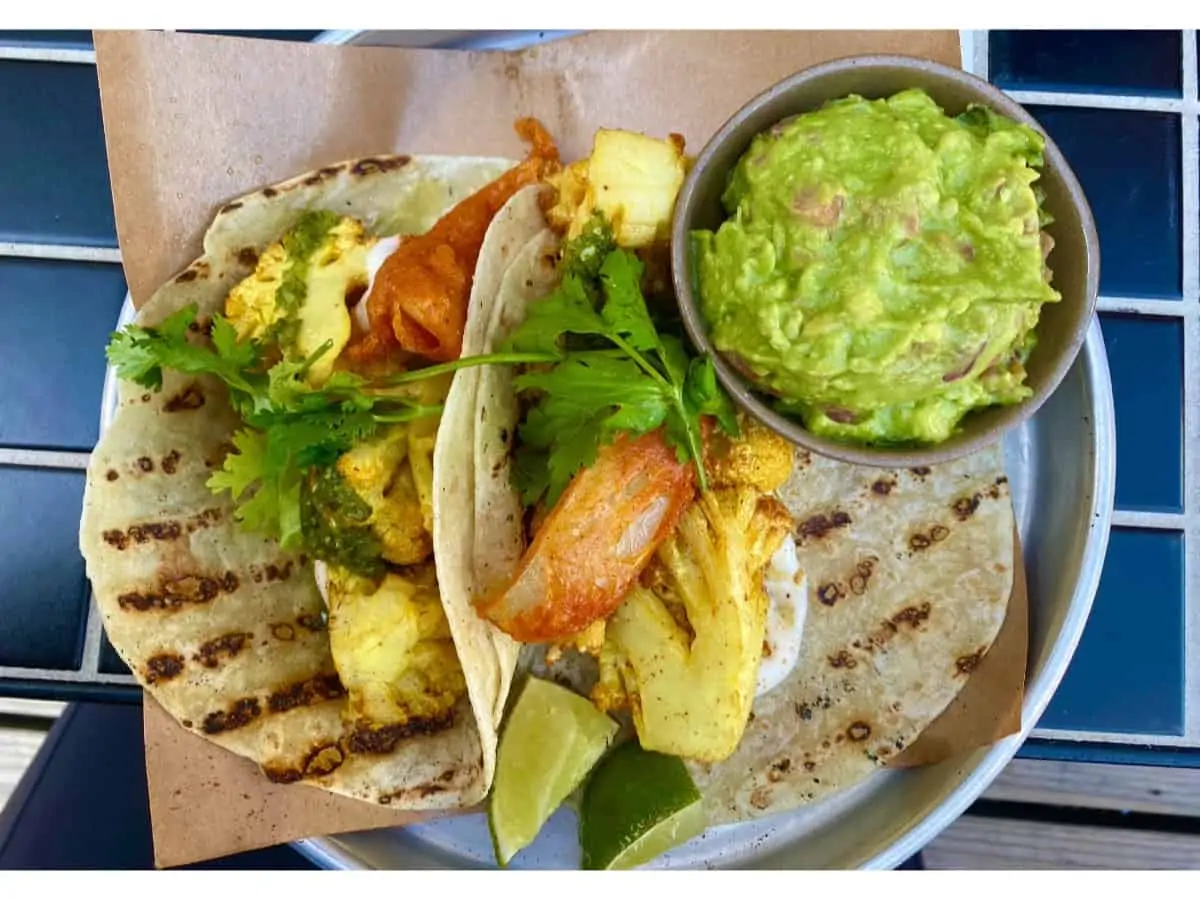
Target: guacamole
[{"x": 882, "y": 268}]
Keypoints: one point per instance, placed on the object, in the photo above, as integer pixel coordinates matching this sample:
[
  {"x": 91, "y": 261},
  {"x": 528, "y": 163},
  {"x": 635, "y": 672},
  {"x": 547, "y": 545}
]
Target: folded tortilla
[
  {"x": 219, "y": 625},
  {"x": 909, "y": 575}
]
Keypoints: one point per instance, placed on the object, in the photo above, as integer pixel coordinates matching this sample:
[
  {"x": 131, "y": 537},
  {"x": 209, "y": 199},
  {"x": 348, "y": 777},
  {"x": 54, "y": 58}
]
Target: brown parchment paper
[{"x": 192, "y": 121}]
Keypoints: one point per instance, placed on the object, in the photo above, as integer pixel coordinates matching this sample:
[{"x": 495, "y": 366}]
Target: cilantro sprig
[
  {"x": 292, "y": 431},
  {"x": 616, "y": 373}
]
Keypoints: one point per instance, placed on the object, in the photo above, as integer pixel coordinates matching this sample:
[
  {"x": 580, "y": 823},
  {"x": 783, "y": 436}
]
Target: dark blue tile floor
[
  {"x": 1120, "y": 62},
  {"x": 1129, "y": 166},
  {"x": 50, "y": 394},
  {"x": 54, "y": 184},
  {"x": 1127, "y": 675},
  {"x": 44, "y": 592},
  {"x": 1146, "y": 358}
]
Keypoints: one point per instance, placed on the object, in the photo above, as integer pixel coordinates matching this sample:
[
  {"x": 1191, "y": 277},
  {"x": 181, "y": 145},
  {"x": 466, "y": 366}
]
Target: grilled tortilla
[{"x": 219, "y": 625}]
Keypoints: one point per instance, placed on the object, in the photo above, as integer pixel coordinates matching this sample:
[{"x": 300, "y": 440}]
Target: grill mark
[
  {"x": 913, "y": 616},
  {"x": 379, "y": 164},
  {"x": 311, "y": 622},
  {"x": 170, "y": 462},
  {"x": 843, "y": 660},
  {"x": 858, "y": 731},
  {"x": 283, "y": 631},
  {"x": 145, "y": 463},
  {"x": 172, "y": 594},
  {"x": 191, "y": 397},
  {"x": 141, "y": 534},
  {"x": 163, "y": 667},
  {"x": 112, "y": 475},
  {"x": 369, "y": 741},
  {"x": 883, "y": 486},
  {"x": 227, "y": 645},
  {"x": 965, "y": 507},
  {"x": 319, "y": 762},
  {"x": 240, "y": 714},
  {"x": 965, "y": 665},
  {"x": 319, "y": 688},
  {"x": 862, "y": 575},
  {"x": 830, "y": 593},
  {"x": 820, "y": 525}
]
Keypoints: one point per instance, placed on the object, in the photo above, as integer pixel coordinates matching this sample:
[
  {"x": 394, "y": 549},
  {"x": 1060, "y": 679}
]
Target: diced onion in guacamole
[{"x": 882, "y": 267}]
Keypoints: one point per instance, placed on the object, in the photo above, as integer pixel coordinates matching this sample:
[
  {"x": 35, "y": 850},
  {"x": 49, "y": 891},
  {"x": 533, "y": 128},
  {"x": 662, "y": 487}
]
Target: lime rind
[
  {"x": 637, "y": 805},
  {"x": 551, "y": 741}
]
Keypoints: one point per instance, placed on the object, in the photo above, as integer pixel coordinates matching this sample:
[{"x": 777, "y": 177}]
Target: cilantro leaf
[
  {"x": 642, "y": 381},
  {"x": 567, "y": 309},
  {"x": 625, "y": 309},
  {"x": 704, "y": 396},
  {"x": 584, "y": 256},
  {"x": 242, "y": 469},
  {"x": 140, "y": 353}
]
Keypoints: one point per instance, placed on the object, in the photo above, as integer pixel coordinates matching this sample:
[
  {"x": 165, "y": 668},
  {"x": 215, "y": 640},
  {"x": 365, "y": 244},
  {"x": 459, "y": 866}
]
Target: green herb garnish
[{"x": 617, "y": 374}]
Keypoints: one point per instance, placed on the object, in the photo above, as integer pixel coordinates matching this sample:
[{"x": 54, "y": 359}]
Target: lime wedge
[
  {"x": 636, "y": 806},
  {"x": 552, "y": 739}
]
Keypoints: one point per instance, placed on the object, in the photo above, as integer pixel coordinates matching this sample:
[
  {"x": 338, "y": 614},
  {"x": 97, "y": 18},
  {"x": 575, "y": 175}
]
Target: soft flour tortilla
[
  {"x": 219, "y": 625},
  {"x": 909, "y": 578}
]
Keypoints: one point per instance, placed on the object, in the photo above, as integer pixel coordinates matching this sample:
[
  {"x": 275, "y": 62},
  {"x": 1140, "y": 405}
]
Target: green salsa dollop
[{"x": 882, "y": 267}]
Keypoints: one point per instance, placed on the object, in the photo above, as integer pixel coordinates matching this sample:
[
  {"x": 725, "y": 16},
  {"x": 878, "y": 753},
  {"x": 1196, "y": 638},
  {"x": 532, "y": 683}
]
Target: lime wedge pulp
[
  {"x": 551, "y": 741},
  {"x": 636, "y": 806}
]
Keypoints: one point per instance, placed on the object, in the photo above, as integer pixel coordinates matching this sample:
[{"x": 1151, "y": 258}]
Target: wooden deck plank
[
  {"x": 18, "y": 746},
  {"x": 974, "y": 842},
  {"x": 1145, "y": 789},
  {"x": 42, "y": 709}
]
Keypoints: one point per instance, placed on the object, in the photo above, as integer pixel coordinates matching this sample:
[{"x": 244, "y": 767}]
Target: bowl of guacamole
[{"x": 888, "y": 260}]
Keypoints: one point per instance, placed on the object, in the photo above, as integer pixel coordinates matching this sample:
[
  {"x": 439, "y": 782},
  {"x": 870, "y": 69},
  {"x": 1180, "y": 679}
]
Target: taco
[
  {"x": 259, "y": 519},
  {"x": 783, "y": 623}
]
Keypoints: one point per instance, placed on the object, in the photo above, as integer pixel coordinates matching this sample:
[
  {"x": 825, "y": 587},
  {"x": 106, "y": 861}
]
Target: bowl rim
[{"x": 882, "y": 457}]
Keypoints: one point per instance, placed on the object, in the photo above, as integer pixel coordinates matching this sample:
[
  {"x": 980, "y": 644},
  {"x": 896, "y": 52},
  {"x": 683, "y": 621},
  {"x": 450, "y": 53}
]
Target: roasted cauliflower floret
[
  {"x": 631, "y": 178},
  {"x": 303, "y": 281},
  {"x": 690, "y": 686},
  {"x": 758, "y": 458},
  {"x": 381, "y": 471},
  {"x": 392, "y": 647}
]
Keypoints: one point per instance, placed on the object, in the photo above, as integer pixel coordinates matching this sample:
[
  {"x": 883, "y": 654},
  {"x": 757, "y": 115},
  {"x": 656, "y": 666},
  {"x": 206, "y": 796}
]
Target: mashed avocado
[{"x": 882, "y": 268}]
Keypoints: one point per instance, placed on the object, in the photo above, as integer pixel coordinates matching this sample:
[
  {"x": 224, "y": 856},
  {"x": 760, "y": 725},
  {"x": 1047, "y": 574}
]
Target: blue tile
[
  {"x": 53, "y": 169},
  {"x": 110, "y": 662},
  {"x": 60, "y": 39},
  {"x": 1129, "y": 166},
  {"x": 54, "y": 364},
  {"x": 1146, "y": 358},
  {"x": 1128, "y": 62},
  {"x": 43, "y": 603},
  {"x": 1127, "y": 675}
]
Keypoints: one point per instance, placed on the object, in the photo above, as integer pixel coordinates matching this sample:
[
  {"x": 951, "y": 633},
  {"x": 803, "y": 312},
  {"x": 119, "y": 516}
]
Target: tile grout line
[
  {"x": 73, "y": 252},
  {"x": 1132, "y": 103},
  {"x": 89, "y": 663},
  {"x": 66, "y": 676},
  {"x": 1158, "y": 521},
  {"x": 1143, "y": 306},
  {"x": 1190, "y": 187},
  {"x": 43, "y": 459},
  {"x": 1125, "y": 739},
  {"x": 49, "y": 54}
]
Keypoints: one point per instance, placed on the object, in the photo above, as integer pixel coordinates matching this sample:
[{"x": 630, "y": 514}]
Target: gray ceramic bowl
[{"x": 1075, "y": 259}]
